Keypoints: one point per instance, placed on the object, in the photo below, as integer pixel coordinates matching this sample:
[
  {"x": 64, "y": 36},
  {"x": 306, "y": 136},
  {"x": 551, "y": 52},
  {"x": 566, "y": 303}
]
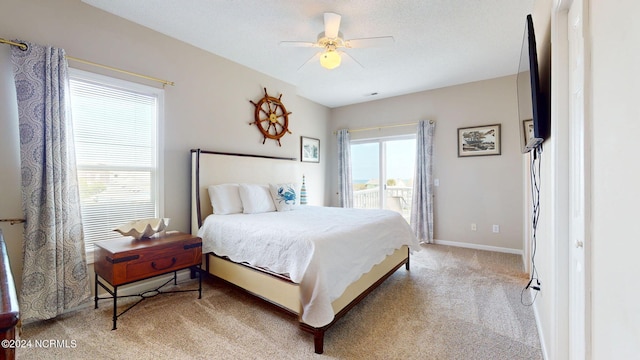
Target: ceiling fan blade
[
  {"x": 369, "y": 42},
  {"x": 351, "y": 57},
  {"x": 331, "y": 25},
  {"x": 298, "y": 44},
  {"x": 311, "y": 59}
]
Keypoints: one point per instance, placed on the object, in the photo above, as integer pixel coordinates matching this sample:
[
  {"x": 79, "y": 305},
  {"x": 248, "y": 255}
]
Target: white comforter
[{"x": 321, "y": 248}]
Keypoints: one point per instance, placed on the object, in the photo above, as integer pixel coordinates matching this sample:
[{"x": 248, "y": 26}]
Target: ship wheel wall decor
[{"x": 271, "y": 117}]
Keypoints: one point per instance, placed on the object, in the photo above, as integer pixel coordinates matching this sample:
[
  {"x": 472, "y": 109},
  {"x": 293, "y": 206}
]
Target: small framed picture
[
  {"x": 479, "y": 140},
  {"x": 309, "y": 149}
]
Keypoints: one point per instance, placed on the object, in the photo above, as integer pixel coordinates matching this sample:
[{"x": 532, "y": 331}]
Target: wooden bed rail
[{"x": 9, "y": 310}]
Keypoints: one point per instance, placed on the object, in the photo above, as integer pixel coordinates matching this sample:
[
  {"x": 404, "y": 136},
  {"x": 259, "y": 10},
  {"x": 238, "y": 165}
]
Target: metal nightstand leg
[
  {"x": 115, "y": 306},
  {"x": 144, "y": 295},
  {"x": 199, "y": 272},
  {"x": 114, "y": 295},
  {"x": 95, "y": 292}
]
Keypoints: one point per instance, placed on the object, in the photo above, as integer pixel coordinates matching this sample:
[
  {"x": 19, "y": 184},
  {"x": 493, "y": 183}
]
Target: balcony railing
[{"x": 397, "y": 198}]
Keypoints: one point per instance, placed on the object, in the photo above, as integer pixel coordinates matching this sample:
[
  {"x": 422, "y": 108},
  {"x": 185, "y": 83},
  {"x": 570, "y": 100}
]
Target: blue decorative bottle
[{"x": 303, "y": 192}]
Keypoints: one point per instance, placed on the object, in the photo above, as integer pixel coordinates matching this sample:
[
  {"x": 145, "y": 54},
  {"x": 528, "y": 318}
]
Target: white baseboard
[
  {"x": 479, "y": 247},
  {"x": 543, "y": 346}
]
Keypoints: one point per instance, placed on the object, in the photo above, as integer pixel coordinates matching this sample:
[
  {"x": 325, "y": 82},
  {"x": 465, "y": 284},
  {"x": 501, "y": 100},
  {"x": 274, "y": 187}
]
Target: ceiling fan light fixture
[
  {"x": 330, "y": 59},
  {"x": 331, "y": 39}
]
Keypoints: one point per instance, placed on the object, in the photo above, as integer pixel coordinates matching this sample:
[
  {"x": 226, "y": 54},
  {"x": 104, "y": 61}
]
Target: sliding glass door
[
  {"x": 365, "y": 172},
  {"x": 389, "y": 159}
]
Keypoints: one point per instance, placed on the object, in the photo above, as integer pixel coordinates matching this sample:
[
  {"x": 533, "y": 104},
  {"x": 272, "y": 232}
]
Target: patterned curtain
[
  {"x": 422, "y": 202},
  {"x": 344, "y": 169},
  {"x": 55, "y": 275}
]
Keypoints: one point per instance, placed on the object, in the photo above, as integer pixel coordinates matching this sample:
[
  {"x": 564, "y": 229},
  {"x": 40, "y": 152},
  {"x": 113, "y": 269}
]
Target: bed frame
[{"x": 207, "y": 168}]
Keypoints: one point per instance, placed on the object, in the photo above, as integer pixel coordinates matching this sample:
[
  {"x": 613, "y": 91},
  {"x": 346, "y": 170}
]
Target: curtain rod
[
  {"x": 23, "y": 46},
  {"x": 20, "y": 45},
  {"x": 13, "y": 221},
  {"x": 164, "y": 82},
  {"x": 384, "y": 127}
]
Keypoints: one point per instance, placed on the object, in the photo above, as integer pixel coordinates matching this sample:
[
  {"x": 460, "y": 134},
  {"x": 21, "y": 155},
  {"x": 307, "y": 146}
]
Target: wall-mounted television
[{"x": 533, "y": 100}]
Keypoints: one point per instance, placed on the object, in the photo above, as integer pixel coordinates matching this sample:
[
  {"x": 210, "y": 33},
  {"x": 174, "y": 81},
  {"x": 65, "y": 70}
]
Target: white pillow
[
  {"x": 225, "y": 199},
  {"x": 256, "y": 198},
  {"x": 284, "y": 196}
]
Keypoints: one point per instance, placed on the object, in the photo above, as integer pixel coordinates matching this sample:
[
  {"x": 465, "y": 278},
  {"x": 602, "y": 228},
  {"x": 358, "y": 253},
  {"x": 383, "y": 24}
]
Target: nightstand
[{"x": 127, "y": 260}]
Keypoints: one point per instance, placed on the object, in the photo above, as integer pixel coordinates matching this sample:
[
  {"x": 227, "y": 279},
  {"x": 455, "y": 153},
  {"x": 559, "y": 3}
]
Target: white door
[{"x": 578, "y": 185}]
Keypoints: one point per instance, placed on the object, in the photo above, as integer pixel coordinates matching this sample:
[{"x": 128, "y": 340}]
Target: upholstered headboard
[{"x": 212, "y": 168}]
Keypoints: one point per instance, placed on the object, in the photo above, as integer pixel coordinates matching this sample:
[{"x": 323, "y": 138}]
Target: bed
[{"x": 325, "y": 280}]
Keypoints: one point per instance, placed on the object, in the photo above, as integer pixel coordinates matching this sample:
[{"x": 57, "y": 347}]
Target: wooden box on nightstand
[{"x": 127, "y": 260}]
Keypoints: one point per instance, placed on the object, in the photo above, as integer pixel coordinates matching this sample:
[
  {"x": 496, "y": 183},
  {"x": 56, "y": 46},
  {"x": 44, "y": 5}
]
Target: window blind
[{"x": 116, "y": 139}]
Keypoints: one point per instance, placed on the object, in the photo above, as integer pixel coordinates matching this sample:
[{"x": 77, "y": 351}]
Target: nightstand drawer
[{"x": 168, "y": 262}]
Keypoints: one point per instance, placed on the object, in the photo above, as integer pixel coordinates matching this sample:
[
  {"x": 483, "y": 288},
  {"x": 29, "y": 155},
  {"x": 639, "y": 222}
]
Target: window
[
  {"x": 391, "y": 159},
  {"x": 116, "y": 129}
]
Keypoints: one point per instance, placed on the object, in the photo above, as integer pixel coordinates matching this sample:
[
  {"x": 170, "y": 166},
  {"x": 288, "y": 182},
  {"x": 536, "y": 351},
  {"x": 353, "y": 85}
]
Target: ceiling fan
[{"x": 331, "y": 40}]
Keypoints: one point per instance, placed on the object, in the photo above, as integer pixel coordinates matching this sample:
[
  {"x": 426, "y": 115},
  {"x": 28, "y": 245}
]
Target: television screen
[{"x": 533, "y": 110}]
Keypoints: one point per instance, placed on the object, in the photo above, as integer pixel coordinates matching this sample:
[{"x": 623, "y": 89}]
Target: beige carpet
[{"x": 455, "y": 303}]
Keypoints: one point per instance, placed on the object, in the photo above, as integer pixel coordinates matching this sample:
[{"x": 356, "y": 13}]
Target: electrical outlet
[
  {"x": 474, "y": 227},
  {"x": 496, "y": 228}
]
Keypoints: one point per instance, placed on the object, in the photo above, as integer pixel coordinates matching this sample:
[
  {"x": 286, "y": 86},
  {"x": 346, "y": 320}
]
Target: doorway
[{"x": 382, "y": 173}]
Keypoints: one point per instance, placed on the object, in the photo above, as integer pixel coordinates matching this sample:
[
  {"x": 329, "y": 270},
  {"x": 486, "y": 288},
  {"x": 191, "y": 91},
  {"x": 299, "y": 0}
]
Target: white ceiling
[{"x": 438, "y": 43}]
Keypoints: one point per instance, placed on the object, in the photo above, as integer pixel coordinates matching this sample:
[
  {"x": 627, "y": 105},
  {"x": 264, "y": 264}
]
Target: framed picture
[
  {"x": 479, "y": 140},
  {"x": 309, "y": 149}
]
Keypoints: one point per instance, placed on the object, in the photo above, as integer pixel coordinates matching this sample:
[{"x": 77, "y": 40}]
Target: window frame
[{"x": 157, "y": 171}]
